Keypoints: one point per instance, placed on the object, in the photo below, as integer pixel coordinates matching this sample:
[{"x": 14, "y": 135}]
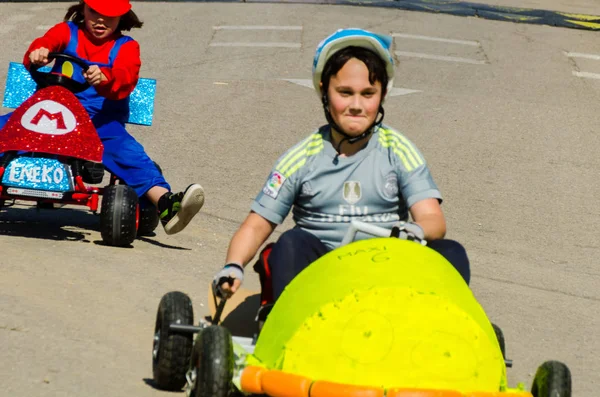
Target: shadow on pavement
[
  {"x": 150, "y": 382},
  {"x": 49, "y": 224}
]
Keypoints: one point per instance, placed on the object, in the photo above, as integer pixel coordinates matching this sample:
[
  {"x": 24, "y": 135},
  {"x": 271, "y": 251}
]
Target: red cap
[{"x": 109, "y": 8}]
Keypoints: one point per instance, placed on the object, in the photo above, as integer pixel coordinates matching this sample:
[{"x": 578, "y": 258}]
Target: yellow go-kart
[{"x": 373, "y": 318}]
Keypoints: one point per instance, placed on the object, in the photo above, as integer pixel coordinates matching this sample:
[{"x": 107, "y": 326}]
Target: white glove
[
  {"x": 228, "y": 274},
  {"x": 409, "y": 231}
]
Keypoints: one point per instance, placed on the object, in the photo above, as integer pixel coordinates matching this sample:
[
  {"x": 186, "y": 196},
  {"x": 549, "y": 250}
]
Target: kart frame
[{"x": 248, "y": 343}]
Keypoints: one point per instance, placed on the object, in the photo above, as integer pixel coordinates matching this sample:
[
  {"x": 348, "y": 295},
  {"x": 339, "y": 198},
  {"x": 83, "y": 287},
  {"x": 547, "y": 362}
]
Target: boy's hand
[
  {"x": 94, "y": 75},
  {"x": 228, "y": 280},
  {"x": 39, "y": 56},
  {"x": 409, "y": 231}
]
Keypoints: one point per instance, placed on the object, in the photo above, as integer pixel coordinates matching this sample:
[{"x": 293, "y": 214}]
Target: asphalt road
[{"x": 506, "y": 115}]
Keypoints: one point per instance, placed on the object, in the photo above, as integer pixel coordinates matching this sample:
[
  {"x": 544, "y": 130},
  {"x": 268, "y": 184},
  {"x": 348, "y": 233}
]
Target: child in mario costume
[{"x": 92, "y": 31}]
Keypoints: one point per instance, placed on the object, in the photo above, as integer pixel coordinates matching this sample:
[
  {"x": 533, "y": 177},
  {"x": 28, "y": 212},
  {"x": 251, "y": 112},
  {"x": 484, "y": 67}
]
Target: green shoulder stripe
[
  {"x": 402, "y": 147},
  {"x": 297, "y": 156}
]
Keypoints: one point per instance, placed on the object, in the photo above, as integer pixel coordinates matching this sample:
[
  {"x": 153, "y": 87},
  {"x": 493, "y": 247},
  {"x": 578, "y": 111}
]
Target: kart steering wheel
[{"x": 44, "y": 80}]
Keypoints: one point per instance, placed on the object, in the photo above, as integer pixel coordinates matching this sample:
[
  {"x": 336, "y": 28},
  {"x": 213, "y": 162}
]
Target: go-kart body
[
  {"x": 42, "y": 138},
  {"x": 376, "y": 317},
  {"x": 51, "y": 154}
]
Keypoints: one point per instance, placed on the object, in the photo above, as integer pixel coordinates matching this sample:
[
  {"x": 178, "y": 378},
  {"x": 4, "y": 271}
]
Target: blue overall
[{"x": 123, "y": 155}]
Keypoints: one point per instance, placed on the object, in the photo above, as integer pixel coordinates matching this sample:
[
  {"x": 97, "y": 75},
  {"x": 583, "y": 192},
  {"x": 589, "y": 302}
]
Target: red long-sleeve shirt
[{"x": 121, "y": 78}]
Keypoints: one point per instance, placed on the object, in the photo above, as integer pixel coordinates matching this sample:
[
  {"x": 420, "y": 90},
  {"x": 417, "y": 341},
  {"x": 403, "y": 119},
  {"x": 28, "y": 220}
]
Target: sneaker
[{"x": 176, "y": 210}]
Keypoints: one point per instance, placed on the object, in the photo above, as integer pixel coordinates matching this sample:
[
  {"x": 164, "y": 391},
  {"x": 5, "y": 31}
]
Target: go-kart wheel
[
  {"x": 500, "y": 337},
  {"x": 552, "y": 379},
  {"x": 171, "y": 351},
  {"x": 148, "y": 216},
  {"x": 212, "y": 363},
  {"x": 119, "y": 215},
  {"x": 148, "y": 220},
  {"x": 41, "y": 205}
]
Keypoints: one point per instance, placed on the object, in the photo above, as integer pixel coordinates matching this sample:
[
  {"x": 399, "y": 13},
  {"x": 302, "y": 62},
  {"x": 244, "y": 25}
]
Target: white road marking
[
  {"x": 439, "y": 57},
  {"x": 308, "y": 83},
  {"x": 262, "y": 44},
  {"x": 19, "y": 18},
  {"x": 256, "y": 27},
  {"x": 401, "y": 91},
  {"x": 258, "y": 44},
  {"x": 587, "y": 75},
  {"x": 303, "y": 82},
  {"x": 440, "y": 39},
  {"x": 581, "y": 55}
]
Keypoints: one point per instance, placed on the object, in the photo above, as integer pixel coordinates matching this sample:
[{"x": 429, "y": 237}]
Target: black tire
[
  {"x": 213, "y": 359},
  {"x": 148, "y": 220},
  {"x": 148, "y": 216},
  {"x": 552, "y": 379},
  {"x": 171, "y": 351},
  {"x": 500, "y": 337},
  {"x": 118, "y": 223},
  {"x": 41, "y": 205}
]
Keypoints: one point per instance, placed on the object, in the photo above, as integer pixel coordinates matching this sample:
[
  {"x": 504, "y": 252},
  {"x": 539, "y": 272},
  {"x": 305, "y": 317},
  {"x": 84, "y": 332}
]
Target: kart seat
[
  {"x": 266, "y": 286},
  {"x": 20, "y": 86},
  {"x": 264, "y": 273}
]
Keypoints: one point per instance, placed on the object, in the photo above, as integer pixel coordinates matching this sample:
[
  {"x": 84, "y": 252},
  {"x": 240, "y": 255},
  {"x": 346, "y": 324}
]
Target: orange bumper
[{"x": 258, "y": 380}]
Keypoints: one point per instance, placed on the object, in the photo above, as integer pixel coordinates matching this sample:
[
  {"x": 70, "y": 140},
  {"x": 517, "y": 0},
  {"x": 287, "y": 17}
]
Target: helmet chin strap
[{"x": 351, "y": 139}]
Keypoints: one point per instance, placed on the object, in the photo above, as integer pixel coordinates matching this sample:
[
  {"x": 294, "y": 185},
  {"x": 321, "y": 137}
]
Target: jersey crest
[{"x": 352, "y": 192}]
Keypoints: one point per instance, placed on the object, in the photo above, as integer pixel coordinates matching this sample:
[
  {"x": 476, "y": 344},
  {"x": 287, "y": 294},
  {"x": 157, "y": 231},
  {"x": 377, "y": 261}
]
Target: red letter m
[{"x": 60, "y": 122}]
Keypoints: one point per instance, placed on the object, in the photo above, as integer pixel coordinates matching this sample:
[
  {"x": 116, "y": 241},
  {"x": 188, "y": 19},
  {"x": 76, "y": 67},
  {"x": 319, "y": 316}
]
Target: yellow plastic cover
[{"x": 383, "y": 312}]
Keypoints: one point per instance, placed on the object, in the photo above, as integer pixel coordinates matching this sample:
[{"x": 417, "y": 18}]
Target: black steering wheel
[{"x": 44, "y": 80}]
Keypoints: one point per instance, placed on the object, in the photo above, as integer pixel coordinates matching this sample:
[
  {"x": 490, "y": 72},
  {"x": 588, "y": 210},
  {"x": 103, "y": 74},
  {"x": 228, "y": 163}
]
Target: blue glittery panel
[
  {"x": 20, "y": 86},
  {"x": 39, "y": 174},
  {"x": 141, "y": 102}
]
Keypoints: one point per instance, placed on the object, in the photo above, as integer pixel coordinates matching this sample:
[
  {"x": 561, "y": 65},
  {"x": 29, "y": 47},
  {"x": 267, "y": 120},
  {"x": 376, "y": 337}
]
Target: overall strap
[
  {"x": 115, "y": 50},
  {"x": 73, "y": 41}
]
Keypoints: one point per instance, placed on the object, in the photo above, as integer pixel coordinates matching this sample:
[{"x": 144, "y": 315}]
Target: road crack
[{"x": 9, "y": 328}]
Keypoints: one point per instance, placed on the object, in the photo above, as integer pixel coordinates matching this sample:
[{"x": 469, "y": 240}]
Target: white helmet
[{"x": 342, "y": 38}]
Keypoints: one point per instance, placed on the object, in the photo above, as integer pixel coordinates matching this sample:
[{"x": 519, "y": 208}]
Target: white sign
[{"x": 35, "y": 174}]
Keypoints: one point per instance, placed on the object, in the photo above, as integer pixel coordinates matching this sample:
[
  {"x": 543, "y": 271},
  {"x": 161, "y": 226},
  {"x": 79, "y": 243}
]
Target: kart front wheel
[
  {"x": 119, "y": 215},
  {"x": 552, "y": 379},
  {"x": 212, "y": 363},
  {"x": 171, "y": 351}
]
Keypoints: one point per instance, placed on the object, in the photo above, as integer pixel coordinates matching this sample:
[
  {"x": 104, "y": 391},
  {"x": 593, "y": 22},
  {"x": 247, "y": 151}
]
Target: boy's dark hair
[
  {"x": 374, "y": 63},
  {"x": 127, "y": 22}
]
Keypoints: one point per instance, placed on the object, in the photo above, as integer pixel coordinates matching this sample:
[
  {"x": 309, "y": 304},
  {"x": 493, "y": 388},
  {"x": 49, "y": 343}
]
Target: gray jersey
[{"x": 378, "y": 184}]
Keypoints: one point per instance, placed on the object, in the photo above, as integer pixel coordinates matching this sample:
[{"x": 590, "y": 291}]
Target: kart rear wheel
[
  {"x": 148, "y": 215},
  {"x": 212, "y": 360},
  {"x": 119, "y": 215},
  {"x": 148, "y": 219},
  {"x": 500, "y": 337},
  {"x": 171, "y": 351},
  {"x": 552, "y": 379}
]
